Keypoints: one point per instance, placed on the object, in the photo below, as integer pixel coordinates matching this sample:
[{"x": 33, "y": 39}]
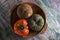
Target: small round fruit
[
  {"x": 21, "y": 28},
  {"x": 36, "y": 22},
  {"x": 24, "y": 11}
]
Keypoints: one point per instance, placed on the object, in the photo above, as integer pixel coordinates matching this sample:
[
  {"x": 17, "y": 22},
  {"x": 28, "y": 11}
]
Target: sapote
[
  {"x": 36, "y": 22},
  {"x": 24, "y": 11}
]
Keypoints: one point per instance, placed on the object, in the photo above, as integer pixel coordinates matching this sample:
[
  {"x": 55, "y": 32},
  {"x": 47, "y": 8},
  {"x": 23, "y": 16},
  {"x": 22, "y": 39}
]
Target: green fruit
[
  {"x": 24, "y": 11},
  {"x": 36, "y": 22}
]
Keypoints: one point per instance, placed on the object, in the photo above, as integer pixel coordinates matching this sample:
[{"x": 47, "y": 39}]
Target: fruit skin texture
[
  {"x": 24, "y": 11},
  {"x": 36, "y": 22},
  {"x": 21, "y": 30}
]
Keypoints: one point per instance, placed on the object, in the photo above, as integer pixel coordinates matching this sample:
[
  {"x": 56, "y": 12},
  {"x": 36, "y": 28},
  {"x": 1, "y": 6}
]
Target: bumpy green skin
[
  {"x": 36, "y": 22},
  {"x": 24, "y": 11}
]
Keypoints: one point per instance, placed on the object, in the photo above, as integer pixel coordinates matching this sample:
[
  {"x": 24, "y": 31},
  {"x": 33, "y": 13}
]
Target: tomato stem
[{"x": 21, "y": 27}]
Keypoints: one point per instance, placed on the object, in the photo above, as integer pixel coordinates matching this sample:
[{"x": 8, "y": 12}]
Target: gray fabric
[{"x": 6, "y": 31}]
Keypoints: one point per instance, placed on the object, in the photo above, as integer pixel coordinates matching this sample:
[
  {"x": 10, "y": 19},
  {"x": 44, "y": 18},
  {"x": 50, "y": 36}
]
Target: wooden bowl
[{"x": 36, "y": 9}]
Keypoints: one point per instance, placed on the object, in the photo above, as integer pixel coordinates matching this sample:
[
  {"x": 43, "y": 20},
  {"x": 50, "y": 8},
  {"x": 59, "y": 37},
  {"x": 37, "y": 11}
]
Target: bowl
[{"x": 36, "y": 9}]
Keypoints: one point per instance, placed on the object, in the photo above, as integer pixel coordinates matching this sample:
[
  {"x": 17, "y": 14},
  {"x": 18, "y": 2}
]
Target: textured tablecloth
[{"x": 52, "y": 9}]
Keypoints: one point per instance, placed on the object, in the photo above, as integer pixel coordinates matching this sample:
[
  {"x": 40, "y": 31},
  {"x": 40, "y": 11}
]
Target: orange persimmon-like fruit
[{"x": 21, "y": 28}]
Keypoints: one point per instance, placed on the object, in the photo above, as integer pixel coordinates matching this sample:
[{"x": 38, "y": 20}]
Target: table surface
[{"x": 51, "y": 8}]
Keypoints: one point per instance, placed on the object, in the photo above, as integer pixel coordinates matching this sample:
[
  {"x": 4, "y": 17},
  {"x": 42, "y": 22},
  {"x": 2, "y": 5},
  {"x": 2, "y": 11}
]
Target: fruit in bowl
[
  {"x": 36, "y": 22},
  {"x": 19, "y": 15},
  {"x": 21, "y": 28},
  {"x": 24, "y": 11}
]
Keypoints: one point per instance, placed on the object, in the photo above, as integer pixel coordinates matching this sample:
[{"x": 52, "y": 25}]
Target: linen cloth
[{"x": 51, "y": 7}]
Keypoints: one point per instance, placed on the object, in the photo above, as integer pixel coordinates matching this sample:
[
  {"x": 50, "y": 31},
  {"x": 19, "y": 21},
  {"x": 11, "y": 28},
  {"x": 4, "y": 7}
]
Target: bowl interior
[{"x": 36, "y": 9}]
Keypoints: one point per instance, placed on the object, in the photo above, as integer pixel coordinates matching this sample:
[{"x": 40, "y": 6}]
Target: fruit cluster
[{"x": 28, "y": 20}]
